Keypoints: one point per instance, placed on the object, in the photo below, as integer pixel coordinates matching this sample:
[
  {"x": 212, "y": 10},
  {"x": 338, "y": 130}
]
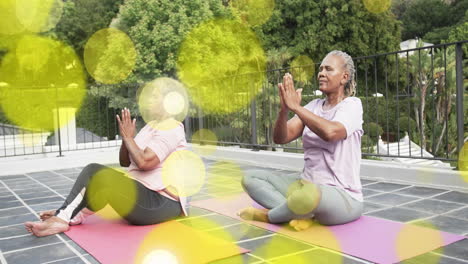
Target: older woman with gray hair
[{"x": 329, "y": 188}]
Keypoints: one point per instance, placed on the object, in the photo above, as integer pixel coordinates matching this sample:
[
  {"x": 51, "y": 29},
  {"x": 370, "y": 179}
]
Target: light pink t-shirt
[
  {"x": 335, "y": 163},
  {"x": 162, "y": 143}
]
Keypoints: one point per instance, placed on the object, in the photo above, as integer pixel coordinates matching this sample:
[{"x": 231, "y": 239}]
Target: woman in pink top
[
  {"x": 329, "y": 188},
  {"x": 139, "y": 196}
]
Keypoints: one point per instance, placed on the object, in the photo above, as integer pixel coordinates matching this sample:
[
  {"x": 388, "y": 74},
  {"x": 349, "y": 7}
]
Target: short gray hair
[{"x": 350, "y": 86}]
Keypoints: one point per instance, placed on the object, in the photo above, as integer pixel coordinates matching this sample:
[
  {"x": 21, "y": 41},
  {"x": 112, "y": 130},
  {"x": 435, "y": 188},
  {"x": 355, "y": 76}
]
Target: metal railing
[
  {"x": 419, "y": 92},
  {"x": 413, "y": 102}
]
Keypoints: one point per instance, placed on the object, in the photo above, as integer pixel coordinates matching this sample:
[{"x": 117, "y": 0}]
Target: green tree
[
  {"x": 431, "y": 20},
  {"x": 314, "y": 28},
  {"x": 157, "y": 27},
  {"x": 82, "y": 18}
]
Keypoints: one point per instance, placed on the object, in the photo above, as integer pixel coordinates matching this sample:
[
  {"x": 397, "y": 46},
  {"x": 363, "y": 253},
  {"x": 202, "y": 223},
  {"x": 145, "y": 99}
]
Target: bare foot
[
  {"x": 44, "y": 215},
  {"x": 301, "y": 224},
  {"x": 251, "y": 213},
  {"x": 51, "y": 226}
]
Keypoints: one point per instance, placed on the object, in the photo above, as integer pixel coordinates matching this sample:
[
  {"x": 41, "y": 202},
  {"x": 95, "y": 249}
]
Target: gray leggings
[{"x": 271, "y": 191}]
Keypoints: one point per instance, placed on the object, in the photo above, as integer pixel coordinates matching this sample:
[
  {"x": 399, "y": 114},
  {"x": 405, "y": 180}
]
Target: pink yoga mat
[
  {"x": 115, "y": 242},
  {"x": 370, "y": 238}
]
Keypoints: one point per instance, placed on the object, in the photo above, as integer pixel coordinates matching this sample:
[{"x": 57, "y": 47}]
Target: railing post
[
  {"x": 459, "y": 100},
  {"x": 200, "y": 125},
  {"x": 253, "y": 112}
]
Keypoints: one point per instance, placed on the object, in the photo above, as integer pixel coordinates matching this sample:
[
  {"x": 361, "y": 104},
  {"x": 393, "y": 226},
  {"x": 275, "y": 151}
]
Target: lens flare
[
  {"x": 377, "y": 6},
  {"x": 302, "y": 197},
  {"x": 410, "y": 234},
  {"x": 302, "y": 69},
  {"x": 39, "y": 15},
  {"x": 253, "y": 12},
  {"x": 29, "y": 16},
  {"x": 184, "y": 173},
  {"x": 41, "y": 75},
  {"x": 174, "y": 241},
  {"x": 109, "y": 56},
  {"x": 207, "y": 138},
  {"x": 223, "y": 65},
  {"x": 163, "y": 103},
  {"x": 463, "y": 162},
  {"x": 123, "y": 194}
]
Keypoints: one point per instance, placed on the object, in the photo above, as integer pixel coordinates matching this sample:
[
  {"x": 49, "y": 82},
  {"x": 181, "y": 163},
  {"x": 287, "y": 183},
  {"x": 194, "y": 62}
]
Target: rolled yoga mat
[
  {"x": 115, "y": 242},
  {"x": 370, "y": 238}
]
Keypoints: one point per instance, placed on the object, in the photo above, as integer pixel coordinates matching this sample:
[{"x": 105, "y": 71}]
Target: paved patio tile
[
  {"x": 458, "y": 249},
  {"x": 274, "y": 246},
  {"x": 32, "y": 190},
  {"x": 447, "y": 224},
  {"x": 40, "y": 198},
  {"x": 9, "y": 198},
  {"x": 11, "y": 220},
  {"x": 421, "y": 191},
  {"x": 385, "y": 186},
  {"x": 44, "y": 200},
  {"x": 462, "y": 213},
  {"x": 431, "y": 258},
  {"x": 45, "y": 206},
  {"x": 433, "y": 206},
  {"x": 317, "y": 255},
  {"x": 390, "y": 199},
  {"x": 368, "y": 207},
  {"x": 13, "y": 230},
  {"x": 244, "y": 259},
  {"x": 14, "y": 211},
  {"x": 240, "y": 232},
  {"x": 36, "y": 195},
  {"x": 10, "y": 204},
  {"x": 26, "y": 242},
  {"x": 366, "y": 182},
  {"x": 400, "y": 214},
  {"x": 454, "y": 196},
  {"x": 72, "y": 170},
  {"x": 369, "y": 192},
  {"x": 40, "y": 174},
  {"x": 39, "y": 254},
  {"x": 208, "y": 222},
  {"x": 13, "y": 177}
]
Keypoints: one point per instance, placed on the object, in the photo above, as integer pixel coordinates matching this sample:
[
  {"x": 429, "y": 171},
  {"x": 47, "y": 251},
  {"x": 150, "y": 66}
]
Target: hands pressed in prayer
[
  {"x": 127, "y": 126},
  {"x": 290, "y": 99}
]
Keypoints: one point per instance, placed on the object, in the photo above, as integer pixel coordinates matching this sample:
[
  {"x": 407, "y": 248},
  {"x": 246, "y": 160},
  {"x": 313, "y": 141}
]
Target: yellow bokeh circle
[
  {"x": 253, "y": 12},
  {"x": 204, "y": 142},
  {"x": 39, "y": 15},
  {"x": 222, "y": 64},
  {"x": 160, "y": 256},
  {"x": 463, "y": 162},
  {"x": 184, "y": 173},
  {"x": 20, "y": 16},
  {"x": 163, "y": 103},
  {"x": 302, "y": 197},
  {"x": 377, "y": 6},
  {"x": 174, "y": 241},
  {"x": 225, "y": 179},
  {"x": 109, "y": 56},
  {"x": 40, "y": 76},
  {"x": 271, "y": 249},
  {"x": 99, "y": 195},
  {"x": 410, "y": 235},
  {"x": 302, "y": 69}
]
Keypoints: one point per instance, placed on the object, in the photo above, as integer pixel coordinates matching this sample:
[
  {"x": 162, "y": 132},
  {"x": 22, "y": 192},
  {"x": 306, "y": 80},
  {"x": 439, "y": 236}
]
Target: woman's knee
[
  {"x": 91, "y": 169},
  {"x": 251, "y": 177},
  {"x": 304, "y": 200}
]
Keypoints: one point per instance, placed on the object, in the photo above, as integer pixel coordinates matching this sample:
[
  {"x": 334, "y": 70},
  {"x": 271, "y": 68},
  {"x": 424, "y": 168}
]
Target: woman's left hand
[
  {"x": 291, "y": 98},
  {"x": 127, "y": 127}
]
